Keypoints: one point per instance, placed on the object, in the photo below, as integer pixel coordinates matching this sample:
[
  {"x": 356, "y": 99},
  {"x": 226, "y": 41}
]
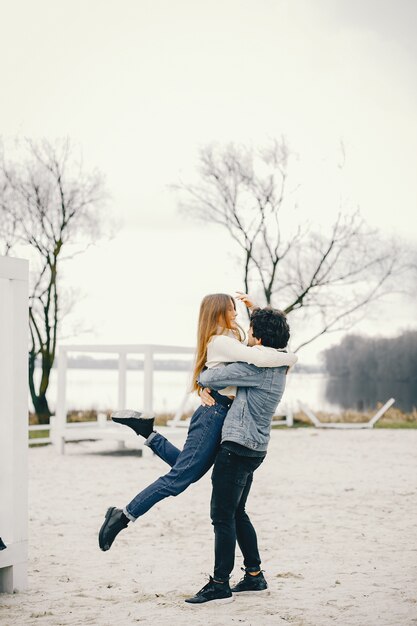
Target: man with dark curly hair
[{"x": 245, "y": 437}]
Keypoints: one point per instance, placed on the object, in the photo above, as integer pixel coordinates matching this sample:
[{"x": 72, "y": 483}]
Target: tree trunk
[
  {"x": 39, "y": 400},
  {"x": 41, "y": 407}
]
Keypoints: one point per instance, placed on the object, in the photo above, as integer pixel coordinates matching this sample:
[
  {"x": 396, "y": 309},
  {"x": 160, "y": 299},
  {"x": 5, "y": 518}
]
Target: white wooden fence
[
  {"x": 37, "y": 440},
  {"x": 13, "y": 423},
  {"x": 61, "y": 431}
]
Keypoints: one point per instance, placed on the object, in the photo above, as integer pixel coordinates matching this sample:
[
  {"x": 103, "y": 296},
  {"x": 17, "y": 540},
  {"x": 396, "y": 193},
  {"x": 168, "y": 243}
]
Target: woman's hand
[
  {"x": 206, "y": 399},
  {"x": 246, "y": 299}
]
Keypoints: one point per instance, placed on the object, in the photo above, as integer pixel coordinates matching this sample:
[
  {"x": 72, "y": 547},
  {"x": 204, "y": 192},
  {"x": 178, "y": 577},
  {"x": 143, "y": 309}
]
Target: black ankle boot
[
  {"x": 114, "y": 522},
  {"x": 136, "y": 421}
]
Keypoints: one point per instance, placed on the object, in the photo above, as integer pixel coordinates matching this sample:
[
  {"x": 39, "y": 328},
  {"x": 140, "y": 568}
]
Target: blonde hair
[{"x": 212, "y": 320}]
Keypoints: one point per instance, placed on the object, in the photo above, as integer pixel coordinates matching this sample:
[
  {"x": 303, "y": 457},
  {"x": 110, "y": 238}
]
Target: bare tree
[
  {"x": 8, "y": 219},
  {"x": 50, "y": 204},
  {"x": 324, "y": 279}
]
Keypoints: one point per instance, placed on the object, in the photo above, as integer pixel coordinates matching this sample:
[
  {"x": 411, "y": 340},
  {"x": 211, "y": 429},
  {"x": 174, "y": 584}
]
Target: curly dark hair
[{"x": 270, "y": 326}]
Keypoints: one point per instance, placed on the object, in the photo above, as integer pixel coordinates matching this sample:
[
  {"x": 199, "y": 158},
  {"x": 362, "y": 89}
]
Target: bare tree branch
[
  {"x": 47, "y": 201},
  {"x": 332, "y": 274}
]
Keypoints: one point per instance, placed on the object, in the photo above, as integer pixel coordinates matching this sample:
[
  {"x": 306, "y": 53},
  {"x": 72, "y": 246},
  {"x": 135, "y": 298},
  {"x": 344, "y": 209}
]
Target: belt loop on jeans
[{"x": 223, "y": 400}]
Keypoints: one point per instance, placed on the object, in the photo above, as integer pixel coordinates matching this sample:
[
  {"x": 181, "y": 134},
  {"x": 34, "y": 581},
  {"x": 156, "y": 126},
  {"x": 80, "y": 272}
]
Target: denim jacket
[{"x": 260, "y": 389}]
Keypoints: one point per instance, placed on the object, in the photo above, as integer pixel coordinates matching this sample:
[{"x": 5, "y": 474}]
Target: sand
[{"x": 335, "y": 512}]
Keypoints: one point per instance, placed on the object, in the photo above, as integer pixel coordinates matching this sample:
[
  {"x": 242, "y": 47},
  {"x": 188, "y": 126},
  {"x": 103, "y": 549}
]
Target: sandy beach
[{"x": 335, "y": 513}]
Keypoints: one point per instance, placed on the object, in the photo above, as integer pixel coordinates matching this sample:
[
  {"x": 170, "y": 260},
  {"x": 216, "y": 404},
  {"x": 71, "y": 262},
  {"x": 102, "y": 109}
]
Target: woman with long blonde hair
[{"x": 219, "y": 341}]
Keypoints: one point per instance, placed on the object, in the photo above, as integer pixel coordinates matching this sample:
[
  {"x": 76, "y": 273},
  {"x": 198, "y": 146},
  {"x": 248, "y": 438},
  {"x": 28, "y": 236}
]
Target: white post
[
  {"x": 148, "y": 379},
  {"x": 101, "y": 420},
  {"x": 311, "y": 415},
  {"x": 381, "y": 412},
  {"x": 13, "y": 423},
  {"x": 290, "y": 416},
  {"x": 60, "y": 422},
  {"x": 121, "y": 403}
]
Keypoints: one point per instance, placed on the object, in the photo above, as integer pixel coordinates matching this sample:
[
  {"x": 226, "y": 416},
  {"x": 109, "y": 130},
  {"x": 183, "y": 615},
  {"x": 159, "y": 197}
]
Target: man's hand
[
  {"x": 246, "y": 299},
  {"x": 206, "y": 399}
]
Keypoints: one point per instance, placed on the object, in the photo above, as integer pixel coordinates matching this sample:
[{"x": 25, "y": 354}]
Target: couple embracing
[{"x": 240, "y": 387}]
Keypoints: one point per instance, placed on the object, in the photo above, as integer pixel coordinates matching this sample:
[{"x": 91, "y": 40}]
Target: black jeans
[{"x": 232, "y": 479}]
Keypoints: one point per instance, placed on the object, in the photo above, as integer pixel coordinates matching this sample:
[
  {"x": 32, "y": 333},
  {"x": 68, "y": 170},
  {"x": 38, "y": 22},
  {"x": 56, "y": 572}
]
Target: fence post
[
  {"x": 13, "y": 423},
  {"x": 148, "y": 379},
  {"x": 122, "y": 380},
  {"x": 58, "y": 432},
  {"x": 290, "y": 416}
]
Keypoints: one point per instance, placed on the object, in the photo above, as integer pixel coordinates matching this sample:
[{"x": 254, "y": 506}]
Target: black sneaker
[
  {"x": 114, "y": 522},
  {"x": 250, "y": 584},
  {"x": 141, "y": 424},
  {"x": 219, "y": 593}
]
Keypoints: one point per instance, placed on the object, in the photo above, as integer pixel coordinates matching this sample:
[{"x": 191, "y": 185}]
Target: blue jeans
[{"x": 188, "y": 465}]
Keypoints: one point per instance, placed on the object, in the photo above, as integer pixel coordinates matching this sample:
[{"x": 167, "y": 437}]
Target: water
[
  {"x": 98, "y": 389},
  {"x": 363, "y": 393}
]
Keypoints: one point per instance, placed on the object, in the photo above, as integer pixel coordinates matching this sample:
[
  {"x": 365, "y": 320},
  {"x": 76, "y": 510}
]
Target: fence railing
[
  {"x": 38, "y": 428},
  {"x": 148, "y": 351}
]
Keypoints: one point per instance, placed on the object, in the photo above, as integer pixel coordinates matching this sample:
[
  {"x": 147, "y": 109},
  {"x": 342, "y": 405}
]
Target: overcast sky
[{"x": 141, "y": 85}]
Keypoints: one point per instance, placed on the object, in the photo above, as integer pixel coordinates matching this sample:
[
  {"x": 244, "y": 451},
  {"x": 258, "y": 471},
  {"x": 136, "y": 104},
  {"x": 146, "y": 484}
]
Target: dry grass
[{"x": 393, "y": 418}]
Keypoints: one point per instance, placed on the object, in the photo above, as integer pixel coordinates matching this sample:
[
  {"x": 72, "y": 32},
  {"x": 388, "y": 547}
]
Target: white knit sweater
[{"x": 223, "y": 349}]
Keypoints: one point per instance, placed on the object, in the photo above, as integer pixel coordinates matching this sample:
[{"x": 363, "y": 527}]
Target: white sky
[{"x": 141, "y": 85}]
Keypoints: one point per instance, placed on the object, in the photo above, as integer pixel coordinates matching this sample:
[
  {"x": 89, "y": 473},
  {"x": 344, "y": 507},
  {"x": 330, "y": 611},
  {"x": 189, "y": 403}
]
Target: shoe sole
[
  {"x": 219, "y": 601},
  {"x": 126, "y": 414},
  {"x": 100, "y": 535},
  {"x": 251, "y": 592}
]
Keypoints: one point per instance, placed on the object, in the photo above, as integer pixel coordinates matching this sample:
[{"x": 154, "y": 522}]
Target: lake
[{"x": 97, "y": 389}]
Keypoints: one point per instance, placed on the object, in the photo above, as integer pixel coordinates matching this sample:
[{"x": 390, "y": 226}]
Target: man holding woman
[
  {"x": 244, "y": 442},
  {"x": 219, "y": 341}
]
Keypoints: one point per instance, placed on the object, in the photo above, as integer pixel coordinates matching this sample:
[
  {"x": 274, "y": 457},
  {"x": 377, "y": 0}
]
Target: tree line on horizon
[{"x": 374, "y": 358}]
